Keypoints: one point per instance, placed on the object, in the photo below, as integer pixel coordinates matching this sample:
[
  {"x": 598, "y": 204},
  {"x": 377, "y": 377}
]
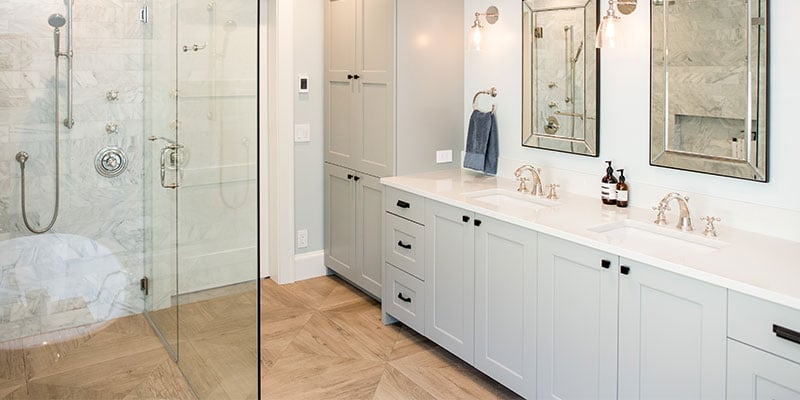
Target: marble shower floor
[{"x": 320, "y": 339}]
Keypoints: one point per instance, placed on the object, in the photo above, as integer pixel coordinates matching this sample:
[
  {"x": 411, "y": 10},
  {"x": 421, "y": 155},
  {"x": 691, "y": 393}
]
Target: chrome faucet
[
  {"x": 684, "y": 219},
  {"x": 536, "y": 178}
]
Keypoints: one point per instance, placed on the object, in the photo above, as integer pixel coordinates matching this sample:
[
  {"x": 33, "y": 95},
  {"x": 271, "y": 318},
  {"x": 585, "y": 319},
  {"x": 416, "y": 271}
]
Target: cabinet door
[
  {"x": 757, "y": 375},
  {"x": 341, "y": 106},
  {"x": 369, "y": 233},
  {"x": 340, "y": 225},
  {"x": 672, "y": 333},
  {"x": 576, "y": 321},
  {"x": 450, "y": 278},
  {"x": 505, "y": 304},
  {"x": 375, "y": 87}
]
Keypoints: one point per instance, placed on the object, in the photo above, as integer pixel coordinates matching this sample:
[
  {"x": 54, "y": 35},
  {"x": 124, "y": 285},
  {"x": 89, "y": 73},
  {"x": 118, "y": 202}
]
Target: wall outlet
[
  {"x": 302, "y": 133},
  {"x": 302, "y": 238},
  {"x": 444, "y": 156}
]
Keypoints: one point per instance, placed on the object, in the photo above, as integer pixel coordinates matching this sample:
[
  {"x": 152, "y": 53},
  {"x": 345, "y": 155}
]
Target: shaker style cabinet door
[
  {"x": 450, "y": 278},
  {"x": 359, "y": 85},
  {"x": 576, "y": 321},
  {"x": 672, "y": 335},
  {"x": 757, "y": 375},
  {"x": 340, "y": 221},
  {"x": 505, "y": 304},
  {"x": 369, "y": 233}
]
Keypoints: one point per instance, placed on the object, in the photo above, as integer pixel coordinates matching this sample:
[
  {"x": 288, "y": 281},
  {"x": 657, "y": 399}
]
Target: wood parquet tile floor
[
  {"x": 320, "y": 339},
  {"x": 323, "y": 339}
]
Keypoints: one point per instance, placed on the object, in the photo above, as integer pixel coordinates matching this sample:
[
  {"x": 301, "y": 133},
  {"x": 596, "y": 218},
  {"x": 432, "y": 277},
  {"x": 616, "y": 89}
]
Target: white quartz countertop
[{"x": 758, "y": 265}]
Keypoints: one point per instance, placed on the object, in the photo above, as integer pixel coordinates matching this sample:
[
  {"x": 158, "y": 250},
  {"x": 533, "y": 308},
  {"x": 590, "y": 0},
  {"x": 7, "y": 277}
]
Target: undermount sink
[
  {"x": 657, "y": 238},
  {"x": 503, "y": 198}
]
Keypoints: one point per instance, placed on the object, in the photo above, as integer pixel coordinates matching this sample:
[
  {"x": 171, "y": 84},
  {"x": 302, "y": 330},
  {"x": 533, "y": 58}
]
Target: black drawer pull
[
  {"x": 349, "y": 76},
  {"x": 356, "y": 76},
  {"x": 624, "y": 270},
  {"x": 401, "y": 297},
  {"x": 356, "y": 178},
  {"x": 403, "y": 204},
  {"x": 349, "y": 176},
  {"x": 606, "y": 264},
  {"x": 465, "y": 218},
  {"x": 786, "y": 333},
  {"x": 478, "y": 222},
  {"x": 403, "y": 245}
]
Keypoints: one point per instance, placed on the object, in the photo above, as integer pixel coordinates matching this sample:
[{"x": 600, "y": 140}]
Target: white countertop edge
[{"x": 688, "y": 271}]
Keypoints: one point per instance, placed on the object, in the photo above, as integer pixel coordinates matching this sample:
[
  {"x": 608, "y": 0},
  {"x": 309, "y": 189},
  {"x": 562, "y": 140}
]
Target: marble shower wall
[
  {"x": 564, "y": 43},
  {"x": 707, "y": 74},
  {"x": 97, "y": 241}
]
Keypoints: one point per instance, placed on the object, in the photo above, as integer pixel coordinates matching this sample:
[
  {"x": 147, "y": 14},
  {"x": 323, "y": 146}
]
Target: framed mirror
[
  {"x": 560, "y": 70},
  {"x": 709, "y": 81}
]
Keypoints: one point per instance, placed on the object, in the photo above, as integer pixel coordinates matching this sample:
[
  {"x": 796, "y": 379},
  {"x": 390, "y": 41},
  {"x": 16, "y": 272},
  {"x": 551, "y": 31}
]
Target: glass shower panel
[
  {"x": 160, "y": 198},
  {"x": 217, "y": 207}
]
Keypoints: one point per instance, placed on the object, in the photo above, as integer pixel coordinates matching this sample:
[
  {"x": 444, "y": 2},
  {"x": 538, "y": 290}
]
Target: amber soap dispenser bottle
[
  {"x": 622, "y": 190},
  {"x": 608, "y": 192}
]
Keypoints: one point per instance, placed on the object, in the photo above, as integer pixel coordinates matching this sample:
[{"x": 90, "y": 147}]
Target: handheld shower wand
[{"x": 57, "y": 21}]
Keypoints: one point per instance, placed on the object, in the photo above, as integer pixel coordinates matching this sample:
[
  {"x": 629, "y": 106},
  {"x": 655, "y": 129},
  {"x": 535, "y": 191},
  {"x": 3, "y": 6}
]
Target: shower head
[{"x": 56, "y": 20}]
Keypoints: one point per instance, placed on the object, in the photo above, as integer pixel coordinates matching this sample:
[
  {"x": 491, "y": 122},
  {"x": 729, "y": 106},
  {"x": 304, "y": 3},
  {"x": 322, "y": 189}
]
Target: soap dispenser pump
[
  {"x": 608, "y": 192},
  {"x": 622, "y": 190}
]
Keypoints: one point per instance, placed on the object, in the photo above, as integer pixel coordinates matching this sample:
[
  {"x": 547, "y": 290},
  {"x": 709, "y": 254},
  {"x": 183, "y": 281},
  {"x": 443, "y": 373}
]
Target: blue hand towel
[{"x": 482, "y": 145}]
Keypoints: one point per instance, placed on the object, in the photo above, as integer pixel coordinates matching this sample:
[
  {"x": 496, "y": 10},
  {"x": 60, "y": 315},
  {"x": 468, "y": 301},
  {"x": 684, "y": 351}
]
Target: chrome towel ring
[{"x": 491, "y": 92}]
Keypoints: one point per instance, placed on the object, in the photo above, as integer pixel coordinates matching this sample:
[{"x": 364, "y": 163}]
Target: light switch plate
[
  {"x": 302, "y": 133},
  {"x": 302, "y": 83},
  {"x": 302, "y": 238},
  {"x": 444, "y": 156}
]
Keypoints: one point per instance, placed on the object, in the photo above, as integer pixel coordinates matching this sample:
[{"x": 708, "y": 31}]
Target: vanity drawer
[
  {"x": 404, "y": 204},
  {"x": 404, "y": 297},
  {"x": 763, "y": 324},
  {"x": 405, "y": 245}
]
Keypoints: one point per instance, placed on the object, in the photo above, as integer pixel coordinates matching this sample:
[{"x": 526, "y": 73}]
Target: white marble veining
[{"x": 758, "y": 265}]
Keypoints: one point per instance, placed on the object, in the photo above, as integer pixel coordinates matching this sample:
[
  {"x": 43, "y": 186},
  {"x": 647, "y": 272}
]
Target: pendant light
[
  {"x": 476, "y": 35},
  {"x": 608, "y": 31}
]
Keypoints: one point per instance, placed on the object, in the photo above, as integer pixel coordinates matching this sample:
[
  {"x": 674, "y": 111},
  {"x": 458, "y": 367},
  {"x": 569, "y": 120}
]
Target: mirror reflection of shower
[
  {"x": 56, "y": 21},
  {"x": 216, "y": 60}
]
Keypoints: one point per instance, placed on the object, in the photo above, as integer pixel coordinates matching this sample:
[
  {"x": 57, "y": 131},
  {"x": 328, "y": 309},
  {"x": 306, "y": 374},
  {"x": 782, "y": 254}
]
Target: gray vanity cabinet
[
  {"x": 672, "y": 335},
  {"x": 353, "y": 215},
  {"x": 755, "y": 375},
  {"x": 577, "y": 321},
  {"x": 505, "y": 304},
  {"x": 450, "y": 278}
]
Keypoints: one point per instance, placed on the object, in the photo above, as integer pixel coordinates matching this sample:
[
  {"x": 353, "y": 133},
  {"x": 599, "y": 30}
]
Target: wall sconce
[
  {"x": 607, "y": 31},
  {"x": 476, "y": 30}
]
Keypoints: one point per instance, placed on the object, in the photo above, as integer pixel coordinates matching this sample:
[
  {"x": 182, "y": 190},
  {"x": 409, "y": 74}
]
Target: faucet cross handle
[
  {"x": 710, "y": 230},
  {"x": 552, "y": 195},
  {"x": 661, "y": 218},
  {"x": 522, "y": 186}
]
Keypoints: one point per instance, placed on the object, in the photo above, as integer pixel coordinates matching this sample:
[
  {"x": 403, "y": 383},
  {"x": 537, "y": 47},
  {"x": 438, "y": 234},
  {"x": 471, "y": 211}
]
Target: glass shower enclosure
[{"x": 128, "y": 178}]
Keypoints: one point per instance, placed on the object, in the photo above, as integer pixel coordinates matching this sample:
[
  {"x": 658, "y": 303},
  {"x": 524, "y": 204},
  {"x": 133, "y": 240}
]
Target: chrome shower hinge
[
  {"x": 144, "y": 14},
  {"x": 144, "y": 285}
]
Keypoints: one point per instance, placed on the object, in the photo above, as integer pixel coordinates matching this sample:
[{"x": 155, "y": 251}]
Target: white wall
[
  {"x": 309, "y": 60},
  {"x": 772, "y": 208}
]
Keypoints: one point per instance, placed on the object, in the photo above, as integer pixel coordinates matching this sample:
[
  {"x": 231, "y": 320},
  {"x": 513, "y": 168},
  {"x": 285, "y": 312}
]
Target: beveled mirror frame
[
  {"x": 698, "y": 124},
  {"x": 588, "y": 142}
]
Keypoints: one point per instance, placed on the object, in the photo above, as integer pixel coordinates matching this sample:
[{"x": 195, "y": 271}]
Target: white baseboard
[{"x": 309, "y": 265}]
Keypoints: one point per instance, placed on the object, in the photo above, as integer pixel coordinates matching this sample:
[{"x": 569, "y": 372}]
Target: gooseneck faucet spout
[
  {"x": 535, "y": 176},
  {"x": 684, "y": 219}
]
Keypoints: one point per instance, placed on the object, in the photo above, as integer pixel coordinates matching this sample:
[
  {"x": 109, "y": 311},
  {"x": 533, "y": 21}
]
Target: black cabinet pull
[
  {"x": 356, "y": 178},
  {"x": 349, "y": 176},
  {"x": 403, "y": 245},
  {"x": 786, "y": 333},
  {"x": 478, "y": 222},
  {"x": 465, "y": 218},
  {"x": 403, "y": 204},
  {"x": 356, "y": 76},
  {"x": 349, "y": 76},
  {"x": 606, "y": 264},
  {"x": 624, "y": 270},
  {"x": 401, "y": 297}
]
